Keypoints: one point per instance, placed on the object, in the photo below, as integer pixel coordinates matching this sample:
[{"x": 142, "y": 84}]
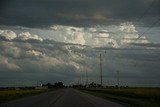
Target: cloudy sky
[{"x": 60, "y": 40}]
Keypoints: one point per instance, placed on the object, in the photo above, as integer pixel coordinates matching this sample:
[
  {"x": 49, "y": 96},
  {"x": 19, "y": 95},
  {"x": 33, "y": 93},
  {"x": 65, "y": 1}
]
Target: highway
[{"x": 62, "y": 98}]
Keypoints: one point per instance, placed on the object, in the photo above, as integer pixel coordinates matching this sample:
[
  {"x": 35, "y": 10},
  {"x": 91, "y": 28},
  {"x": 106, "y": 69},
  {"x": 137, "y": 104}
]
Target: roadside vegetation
[
  {"x": 137, "y": 97},
  {"x": 11, "y": 94}
]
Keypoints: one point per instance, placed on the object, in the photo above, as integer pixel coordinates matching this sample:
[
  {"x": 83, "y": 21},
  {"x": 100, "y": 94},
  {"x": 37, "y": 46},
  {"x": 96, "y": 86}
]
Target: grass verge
[
  {"x": 7, "y": 95},
  {"x": 138, "y": 97}
]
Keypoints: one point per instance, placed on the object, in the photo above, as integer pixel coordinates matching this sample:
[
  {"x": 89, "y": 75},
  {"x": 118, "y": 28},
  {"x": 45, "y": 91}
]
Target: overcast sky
[
  {"x": 60, "y": 40},
  {"x": 40, "y": 13}
]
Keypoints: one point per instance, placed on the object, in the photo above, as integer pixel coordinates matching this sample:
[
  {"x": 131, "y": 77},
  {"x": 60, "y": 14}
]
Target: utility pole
[
  {"x": 81, "y": 79},
  {"x": 118, "y": 79},
  {"x": 101, "y": 68},
  {"x": 37, "y": 83},
  {"x": 86, "y": 78}
]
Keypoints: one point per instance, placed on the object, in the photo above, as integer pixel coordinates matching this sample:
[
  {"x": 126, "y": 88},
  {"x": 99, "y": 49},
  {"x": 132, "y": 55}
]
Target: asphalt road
[{"x": 62, "y": 98}]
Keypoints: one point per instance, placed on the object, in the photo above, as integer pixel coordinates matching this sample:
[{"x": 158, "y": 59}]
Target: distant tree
[
  {"x": 43, "y": 85},
  {"x": 56, "y": 85},
  {"x": 49, "y": 85},
  {"x": 59, "y": 85},
  {"x": 78, "y": 86},
  {"x": 92, "y": 84}
]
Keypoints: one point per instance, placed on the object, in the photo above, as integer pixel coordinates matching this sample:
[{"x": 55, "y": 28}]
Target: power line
[
  {"x": 149, "y": 28},
  {"x": 146, "y": 11}
]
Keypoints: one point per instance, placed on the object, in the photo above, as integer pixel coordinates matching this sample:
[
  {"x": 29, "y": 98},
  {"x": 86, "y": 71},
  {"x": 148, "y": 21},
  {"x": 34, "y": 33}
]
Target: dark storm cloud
[{"x": 41, "y": 13}]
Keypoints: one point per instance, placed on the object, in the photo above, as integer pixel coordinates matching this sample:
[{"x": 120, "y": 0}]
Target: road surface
[{"x": 62, "y": 98}]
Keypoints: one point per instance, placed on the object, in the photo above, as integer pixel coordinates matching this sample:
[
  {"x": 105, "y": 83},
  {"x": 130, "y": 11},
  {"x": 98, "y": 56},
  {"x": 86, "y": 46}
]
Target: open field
[
  {"x": 7, "y": 95},
  {"x": 139, "y": 97}
]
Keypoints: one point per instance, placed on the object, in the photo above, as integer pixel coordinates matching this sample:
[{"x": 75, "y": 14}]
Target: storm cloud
[
  {"x": 43, "y": 13},
  {"x": 26, "y": 62}
]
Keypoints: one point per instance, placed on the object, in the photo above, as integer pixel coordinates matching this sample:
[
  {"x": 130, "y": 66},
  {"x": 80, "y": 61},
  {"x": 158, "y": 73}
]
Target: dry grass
[
  {"x": 140, "y": 97},
  {"x": 6, "y": 95}
]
